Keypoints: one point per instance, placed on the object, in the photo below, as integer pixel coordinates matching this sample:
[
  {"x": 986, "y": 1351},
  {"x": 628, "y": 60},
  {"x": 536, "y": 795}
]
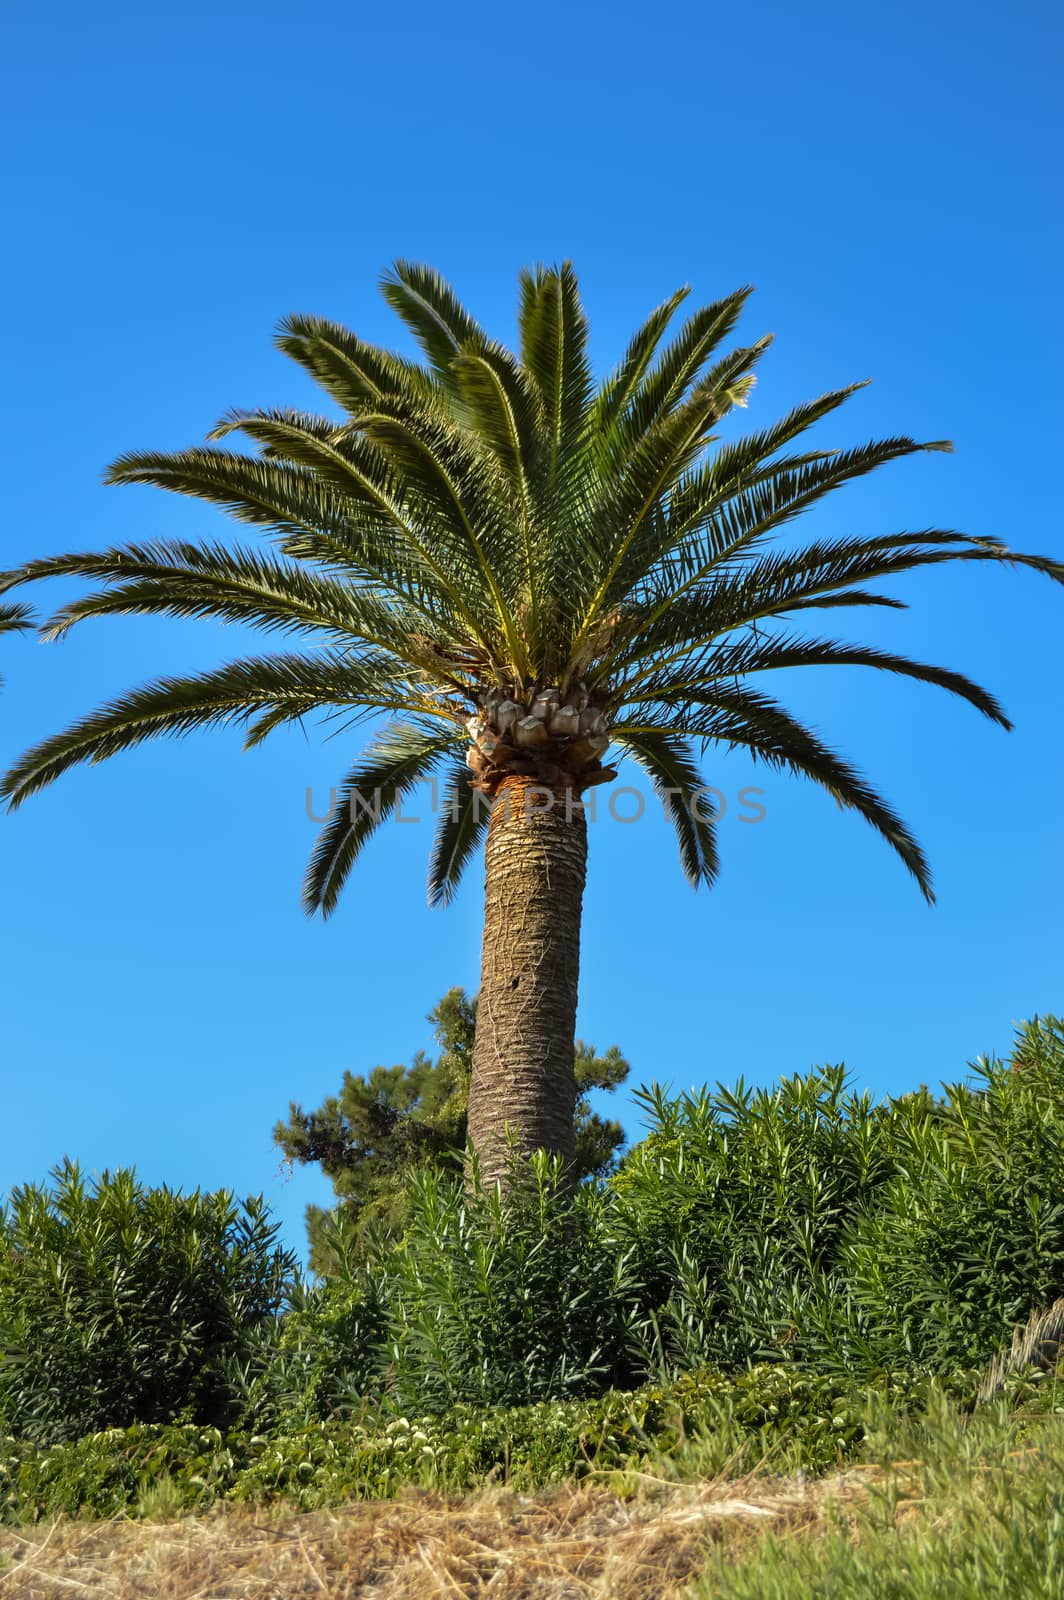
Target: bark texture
[{"x": 523, "y": 1054}]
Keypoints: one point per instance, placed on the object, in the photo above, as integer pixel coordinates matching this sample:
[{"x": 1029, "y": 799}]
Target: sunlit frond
[{"x": 231, "y": 694}]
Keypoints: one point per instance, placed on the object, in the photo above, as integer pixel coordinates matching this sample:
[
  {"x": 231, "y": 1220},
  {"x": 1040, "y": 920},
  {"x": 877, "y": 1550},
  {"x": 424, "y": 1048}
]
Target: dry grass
[{"x": 565, "y": 1544}]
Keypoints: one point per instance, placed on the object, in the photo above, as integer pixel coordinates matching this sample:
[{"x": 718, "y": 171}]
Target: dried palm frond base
[
  {"x": 563, "y": 1544},
  {"x": 1038, "y": 1343}
]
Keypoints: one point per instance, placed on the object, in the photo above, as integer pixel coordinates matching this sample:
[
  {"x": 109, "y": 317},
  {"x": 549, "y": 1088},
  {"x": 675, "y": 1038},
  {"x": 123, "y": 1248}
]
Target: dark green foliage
[
  {"x": 736, "y": 1206},
  {"x": 506, "y": 1297},
  {"x": 329, "y": 1357},
  {"x": 14, "y": 619},
  {"x": 804, "y": 1226},
  {"x": 806, "y": 1223},
  {"x": 121, "y": 1304},
  {"x": 968, "y": 1235},
  {"x": 801, "y": 1224},
  {"x": 380, "y": 1130}
]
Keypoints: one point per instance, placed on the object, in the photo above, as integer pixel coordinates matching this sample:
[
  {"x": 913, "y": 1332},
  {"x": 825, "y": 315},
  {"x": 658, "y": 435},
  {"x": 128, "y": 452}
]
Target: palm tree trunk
[{"x": 523, "y": 1052}]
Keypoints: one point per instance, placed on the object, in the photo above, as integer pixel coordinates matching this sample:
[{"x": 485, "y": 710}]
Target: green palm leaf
[
  {"x": 463, "y": 821},
  {"x": 354, "y": 373},
  {"x": 396, "y": 760},
  {"x": 14, "y": 618},
  {"x": 292, "y": 685},
  {"x": 433, "y": 313},
  {"x": 677, "y": 780},
  {"x": 740, "y": 718}
]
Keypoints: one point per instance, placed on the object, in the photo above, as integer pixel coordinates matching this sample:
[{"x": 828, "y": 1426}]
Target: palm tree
[{"x": 520, "y": 567}]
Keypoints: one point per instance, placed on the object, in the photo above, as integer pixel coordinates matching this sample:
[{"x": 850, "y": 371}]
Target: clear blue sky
[{"x": 179, "y": 178}]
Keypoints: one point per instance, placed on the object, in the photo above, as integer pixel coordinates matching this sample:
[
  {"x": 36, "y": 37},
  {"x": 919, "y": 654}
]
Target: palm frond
[
  {"x": 554, "y": 352},
  {"x": 505, "y": 410},
  {"x": 743, "y": 719},
  {"x": 434, "y": 314},
  {"x": 618, "y": 389},
  {"x": 758, "y": 588},
  {"x": 666, "y": 384},
  {"x": 15, "y": 617},
  {"x": 459, "y": 492},
  {"x": 353, "y": 372},
  {"x": 749, "y": 514},
  {"x": 230, "y": 694},
  {"x": 173, "y": 578},
  {"x": 724, "y": 661},
  {"x": 632, "y": 505},
  {"x": 463, "y": 820},
  {"x": 673, "y": 771},
  {"x": 394, "y": 762},
  {"x": 351, "y": 465}
]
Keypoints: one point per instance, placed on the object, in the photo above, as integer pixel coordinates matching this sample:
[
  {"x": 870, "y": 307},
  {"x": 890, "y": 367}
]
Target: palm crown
[{"x": 518, "y": 565}]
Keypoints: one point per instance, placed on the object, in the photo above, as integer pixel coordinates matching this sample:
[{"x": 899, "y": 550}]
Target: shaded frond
[
  {"x": 463, "y": 821},
  {"x": 673, "y": 771},
  {"x": 394, "y": 762},
  {"x": 15, "y": 617},
  {"x": 230, "y": 694}
]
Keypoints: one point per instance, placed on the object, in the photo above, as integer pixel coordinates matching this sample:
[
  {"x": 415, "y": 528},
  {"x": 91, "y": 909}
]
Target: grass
[
  {"x": 955, "y": 1510},
  {"x": 944, "y": 1508}
]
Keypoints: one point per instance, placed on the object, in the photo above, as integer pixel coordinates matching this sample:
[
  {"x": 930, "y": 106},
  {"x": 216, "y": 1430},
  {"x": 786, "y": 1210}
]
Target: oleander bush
[
  {"x": 328, "y": 1357},
  {"x": 736, "y": 1208},
  {"x": 805, "y": 1223},
  {"x": 508, "y": 1297},
  {"x": 123, "y": 1304},
  {"x": 967, "y": 1234}
]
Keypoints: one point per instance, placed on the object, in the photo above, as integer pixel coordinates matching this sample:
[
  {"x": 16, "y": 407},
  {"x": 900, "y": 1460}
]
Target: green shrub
[
  {"x": 968, "y": 1234},
  {"x": 802, "y": 1225},
  {"x": 121, "y": 1304},
  {"x": 326, "y": 1361},
  {"x": 735, "y": 1207},
  {"x": 805, "y": 1223},
  {"x": 506, "y": 1297}
]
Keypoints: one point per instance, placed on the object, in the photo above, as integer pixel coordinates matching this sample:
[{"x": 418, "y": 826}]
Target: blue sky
[{"x": 177, "y": 180}]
